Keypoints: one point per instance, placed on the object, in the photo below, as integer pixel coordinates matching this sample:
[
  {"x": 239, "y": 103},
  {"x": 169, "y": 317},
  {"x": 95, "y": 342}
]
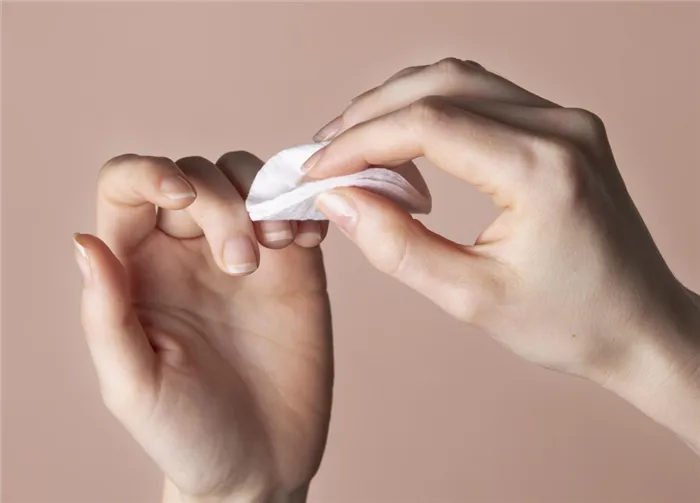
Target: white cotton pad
[{"x": 277, "y": 192}]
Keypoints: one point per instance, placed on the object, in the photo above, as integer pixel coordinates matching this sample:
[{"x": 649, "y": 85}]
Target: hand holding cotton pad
[{"x": 278, "y": 193}]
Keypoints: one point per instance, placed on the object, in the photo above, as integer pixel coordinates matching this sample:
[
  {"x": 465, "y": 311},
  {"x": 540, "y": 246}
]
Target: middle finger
[{"x": 219, "y": 213}]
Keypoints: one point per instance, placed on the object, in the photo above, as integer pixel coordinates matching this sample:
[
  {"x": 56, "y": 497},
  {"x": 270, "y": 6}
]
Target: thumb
[
  {"x": 397, "y": 244},
  {"x": 121, "y": 352}
]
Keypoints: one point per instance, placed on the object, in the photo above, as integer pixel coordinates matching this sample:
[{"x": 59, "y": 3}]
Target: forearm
[{"x": 661, "y": 376}]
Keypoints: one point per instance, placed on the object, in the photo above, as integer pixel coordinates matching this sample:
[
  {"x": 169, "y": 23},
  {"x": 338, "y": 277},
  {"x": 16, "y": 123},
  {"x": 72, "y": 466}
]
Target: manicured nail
[
  {"x": 276, "y": 232},
  {"x": 329, "y": 131},
  {"x": 307, "y": 239},
  {"x": 313, "y": 160},
  {"x": 279, "y": 236},
  {"x": 82, "y": 258},
  {"x": 308, "y": 234},
  {"x": 239, "y": 256},
  {"x": 176, "y": 187},
  {"x": 338, "y": 209}
]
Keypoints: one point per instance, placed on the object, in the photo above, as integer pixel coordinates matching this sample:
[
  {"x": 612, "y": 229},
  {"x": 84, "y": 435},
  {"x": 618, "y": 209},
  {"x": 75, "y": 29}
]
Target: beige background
[{"x": 426, "y": 410}]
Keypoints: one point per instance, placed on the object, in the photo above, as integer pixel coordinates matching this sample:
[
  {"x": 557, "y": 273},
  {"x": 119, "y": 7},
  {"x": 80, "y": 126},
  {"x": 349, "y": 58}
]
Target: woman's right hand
[{"x": 567, "y": 276}]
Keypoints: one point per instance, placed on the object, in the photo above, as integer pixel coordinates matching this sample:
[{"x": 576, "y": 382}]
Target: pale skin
[
  {"x": 223, "y": 376},
  {"x": 220, "y": 363}
]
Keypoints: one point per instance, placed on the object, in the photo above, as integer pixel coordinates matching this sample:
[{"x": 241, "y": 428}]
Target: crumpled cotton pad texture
[{"x": 278, "y": 193}]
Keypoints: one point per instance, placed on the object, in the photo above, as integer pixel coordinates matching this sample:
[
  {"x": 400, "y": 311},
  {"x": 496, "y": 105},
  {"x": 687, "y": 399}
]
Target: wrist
[
  {"x": 171, "y": 494},
  {"x": 660, "y": 374}
]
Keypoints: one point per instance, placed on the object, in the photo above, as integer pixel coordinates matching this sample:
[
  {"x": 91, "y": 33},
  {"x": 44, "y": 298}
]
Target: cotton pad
[{"x": 278, "y": 193}]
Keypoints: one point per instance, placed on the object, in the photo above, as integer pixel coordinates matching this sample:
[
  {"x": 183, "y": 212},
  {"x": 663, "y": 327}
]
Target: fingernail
[
  {"x": 313, "y": 160},
  {"x": 329, "y": 131},
  {"x": 338, "y": 209},
  {"x": 176, "y": 187},
  {"x": 276, "y": 232},
  {"x": 82, "y": 258},
  {"x": 308, "y": 234},
  {"x": 308, "y": 238},
  {"x": 239, "y": 256},
  {"x": 362, "y": 95},
  {"x": 279, "y": 236}
]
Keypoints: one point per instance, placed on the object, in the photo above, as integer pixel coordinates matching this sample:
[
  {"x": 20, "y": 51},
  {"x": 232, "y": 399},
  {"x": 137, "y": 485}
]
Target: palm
[
  {"x": 244, "y": 364},
  {"x": 225, "y": 380}
]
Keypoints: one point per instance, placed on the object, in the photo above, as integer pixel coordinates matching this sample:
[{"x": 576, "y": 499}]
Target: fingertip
[
  {"x": 97, "y": 262},
  {"x": 85, "y": 241},
  {"x": 241, "y": 269},
  {"x": 82, "y": 258},
  {"x": 80, "y": 242},
  {"x": 240, "y": 255},
  {"x": 134, "y": 180},
  {"x": 274, "y": 234},
  {"x": 89, "y": 247},
  {"x": 330, "y": 130},
  {"x": 311, "y": 163},
  {"x": 324, "y": 224},
  {"x": 118, "y": 345},
  {"x": 178, "y": 190},
  {"x": 309, "y": 234}
]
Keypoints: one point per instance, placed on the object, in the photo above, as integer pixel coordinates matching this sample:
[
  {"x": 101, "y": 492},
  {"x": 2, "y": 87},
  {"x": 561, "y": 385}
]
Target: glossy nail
[
  {"x": 176, "y": 187},
  {"x": 329, "y": 131},
  {"x": 82, "y": 258},
  {"x": 239, "y": 256}
]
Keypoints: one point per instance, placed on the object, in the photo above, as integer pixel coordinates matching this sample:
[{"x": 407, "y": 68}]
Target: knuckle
[
  {"x": 588, "y": 120},
  {"x": 133, "y": 162},
  {"x": 472, "y": 301},
  {"x": 464, "y": 304},
  {"x": 238, "y": 157},
  {"x": 194, "y": 161},
  {"x": 120, "y": 160},
  {"x": 560, "y": 163},
  {"x": 115, "y": 163},
  {"x": 450, "y": 66},
  {"x": 131, "y": 170},
  {"x": 430, "y": 112},
  {"x": 195, "y": 167},
  {"x": 585, "y": 124},
  {"x": 454, "y": 70}
]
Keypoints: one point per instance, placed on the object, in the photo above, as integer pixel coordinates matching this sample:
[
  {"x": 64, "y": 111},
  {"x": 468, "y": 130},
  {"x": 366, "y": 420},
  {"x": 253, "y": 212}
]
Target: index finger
[
  {"x": 449, "y": 77},
  {"x": 482, "y": 151},
  {"x": 128, "y": 190}
]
